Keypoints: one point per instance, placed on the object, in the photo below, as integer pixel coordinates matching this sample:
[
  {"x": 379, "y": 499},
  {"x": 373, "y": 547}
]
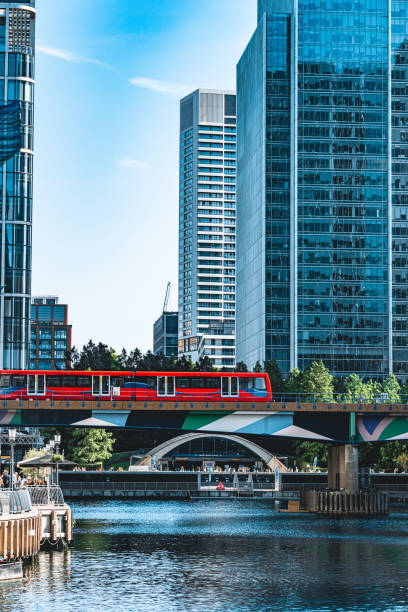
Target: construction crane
[{"x": 166, "y": 297}]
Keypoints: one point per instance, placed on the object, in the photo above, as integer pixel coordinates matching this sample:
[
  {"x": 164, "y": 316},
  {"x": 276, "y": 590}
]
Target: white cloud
[
  {"x": 68, "y": 56},
  {"x": 128, "y": 162},
  {"x": 164, "y": 87}
]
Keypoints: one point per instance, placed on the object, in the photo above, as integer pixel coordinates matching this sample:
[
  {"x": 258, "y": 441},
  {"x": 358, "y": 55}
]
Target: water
[{"x": 210, "y": 556}]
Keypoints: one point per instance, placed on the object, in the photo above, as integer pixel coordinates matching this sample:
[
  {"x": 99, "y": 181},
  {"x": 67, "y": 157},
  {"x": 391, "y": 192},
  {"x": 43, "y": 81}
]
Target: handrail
[
  {"x": 14, "y": 501},
  {"x": 188, "y": 396},
  {"x": 45, "y": 495}
]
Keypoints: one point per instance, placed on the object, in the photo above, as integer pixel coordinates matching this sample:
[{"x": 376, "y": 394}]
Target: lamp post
[
  {"x": 12, "y": 435},
  {"x": 57, "y": 440}
]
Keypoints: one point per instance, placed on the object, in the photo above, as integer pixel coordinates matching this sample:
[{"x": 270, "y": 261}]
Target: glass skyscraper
[
  {"x": 207, "y": 226},
  {"x": 322, "y": 182},
  {"x": 17, "y": 28}
]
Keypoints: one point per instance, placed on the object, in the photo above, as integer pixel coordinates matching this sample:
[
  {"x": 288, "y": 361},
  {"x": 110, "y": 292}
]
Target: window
[
  {"x": 69, "y": 381},
  {"x": 4, "y": 381},
  {"x": 85, "y": 381}
]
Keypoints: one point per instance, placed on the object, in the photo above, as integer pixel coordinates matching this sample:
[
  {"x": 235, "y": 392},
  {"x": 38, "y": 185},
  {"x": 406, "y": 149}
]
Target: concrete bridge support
[{"x": 343, "y": 467}]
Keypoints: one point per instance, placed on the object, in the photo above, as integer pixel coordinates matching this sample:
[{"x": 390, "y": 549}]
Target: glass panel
[
  {"x": 95, "y": 385},
  {"x": 54, "y": 381},
  {"x": 225, "y": 386},
  {"x": 161, "y": 385},
  {"x": 41, "y": 384},
  {"x": 31, "y": 384},
  {"x": 234, "y": 386},
  {"x": 69, "y": 381},
  {"x": 170, "y": 385},
  {"x": 105, "y": 385},
  {"x": 260, "y": 384},
  {"x": 84, "y": 381},
  {"x": 4, "y": 381},
  {"x": 16, "y": 381}
]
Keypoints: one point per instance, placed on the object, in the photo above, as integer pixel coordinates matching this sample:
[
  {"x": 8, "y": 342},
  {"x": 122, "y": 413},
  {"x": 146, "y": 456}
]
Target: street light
[
  {"x": 12, "y": 436},
  {"x": 57, "y": 441}
]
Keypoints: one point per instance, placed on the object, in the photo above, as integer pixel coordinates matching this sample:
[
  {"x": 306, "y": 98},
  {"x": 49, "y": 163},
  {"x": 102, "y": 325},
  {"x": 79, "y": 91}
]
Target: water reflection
[{"x": 217, "y": 556}]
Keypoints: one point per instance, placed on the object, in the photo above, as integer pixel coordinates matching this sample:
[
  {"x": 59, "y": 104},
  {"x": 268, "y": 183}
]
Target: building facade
[
  {"x": 165, "y": 334},
  {"x": 322, "y": 206},
  {"x": 17, "y": 30},
  {"x": 207, "y": 226},
  {"x": 50, "y": 339}
]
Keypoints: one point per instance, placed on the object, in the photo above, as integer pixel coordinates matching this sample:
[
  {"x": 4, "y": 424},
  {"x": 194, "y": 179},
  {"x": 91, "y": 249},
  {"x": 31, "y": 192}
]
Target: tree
[
  {"x": 307, "y": 451},
  {"x": 94, "y": 357},
  {"x": 355, "y": 389},
  {"x": 402, "y": 461},
  {"x": 392, "y": 388},
  {"x": 275, "y": 375},
  {"x": 293, "y": 381},
  {"x": 204, "y": 364},
  {"x": 241, "y": 367},
  {"x": 90, "y": 445},
  {"x": 32, "y": 454},
  {"x": 316, "y": 380}
]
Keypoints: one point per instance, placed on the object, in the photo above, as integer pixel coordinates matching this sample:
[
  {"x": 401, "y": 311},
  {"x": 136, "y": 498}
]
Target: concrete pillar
[{"x": 343, "y": 468}]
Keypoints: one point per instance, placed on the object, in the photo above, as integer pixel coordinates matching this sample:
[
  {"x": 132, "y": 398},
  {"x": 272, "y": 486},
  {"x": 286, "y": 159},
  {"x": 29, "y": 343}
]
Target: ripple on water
[{"x": 217, "y": 556}]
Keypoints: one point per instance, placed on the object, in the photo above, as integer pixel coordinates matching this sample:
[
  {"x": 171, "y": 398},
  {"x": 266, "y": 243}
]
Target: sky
[{"x": 109, "y": 77}]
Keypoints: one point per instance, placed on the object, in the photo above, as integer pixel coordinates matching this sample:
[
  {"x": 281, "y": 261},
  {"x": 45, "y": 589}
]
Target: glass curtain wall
[
  {"x": 277, "y": 208},
  {"x": 399, "y": 59},
  {"x": 343, "y": 227}
]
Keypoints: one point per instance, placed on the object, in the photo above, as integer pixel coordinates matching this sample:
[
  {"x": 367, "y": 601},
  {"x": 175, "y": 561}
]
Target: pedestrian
[{"x": 6, "y": 480}]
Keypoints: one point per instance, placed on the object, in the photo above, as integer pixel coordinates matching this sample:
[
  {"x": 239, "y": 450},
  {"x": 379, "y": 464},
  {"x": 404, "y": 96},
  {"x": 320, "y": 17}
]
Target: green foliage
[
  {"x": 402, "y": 461},
  {"x": 307, "y": 451},
  {"x": 317, "y": 380},
  {"x": 275, "y": 375},
  {"x": 90, "y": 445},
  {"x": 392, "y": 387},
  {"x": 33, "y": 453},
  {"x": 241, "y": 367},
  {"x": 293, "y": 381}
]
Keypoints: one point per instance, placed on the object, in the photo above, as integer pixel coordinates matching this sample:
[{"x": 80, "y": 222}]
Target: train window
[
  {"x": 245, "y": 383},
  {"x": 212, "y": 382},
  {"x": 151, "y": 382},
  {"x": 234, "y": 386},
  {"x": 69, "y": 381},
  {"x": 36, "y": 384},
  {"x": 4, "y": 381},
  {"x": 54, "y": 381},
  {"x": 230, "y": 386},
  {"x": 165, "y": 385},
  {"x": 100, "y": 385},
  {"x": 260, "y": 384},
  {"x": 17, "y": 381},
  {"x": 84, "y": 381},
  {"x": 118, "y": 381},
  {"x": 105, "y": 385},
  {"x": 183, "y": 383}
]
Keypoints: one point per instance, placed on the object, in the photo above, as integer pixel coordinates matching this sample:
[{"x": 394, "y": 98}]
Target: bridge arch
[{"x": 163, "y": 449}]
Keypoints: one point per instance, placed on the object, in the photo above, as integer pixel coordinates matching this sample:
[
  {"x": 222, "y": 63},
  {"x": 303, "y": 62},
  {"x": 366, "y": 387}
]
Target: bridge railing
[
  {"x": 381, "y": 401},
  {"x": 130, "y": 486}
]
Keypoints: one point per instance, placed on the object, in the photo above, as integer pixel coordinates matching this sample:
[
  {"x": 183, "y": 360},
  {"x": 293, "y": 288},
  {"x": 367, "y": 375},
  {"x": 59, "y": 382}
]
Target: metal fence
[
  {"x": 43, "y": 495},
  {"x": 14, "y": 502},
  {"x": 131, "y": 486}
]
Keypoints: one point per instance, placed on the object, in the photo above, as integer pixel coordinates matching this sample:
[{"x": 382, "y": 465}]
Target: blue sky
[{"x": 109, "y": 76}]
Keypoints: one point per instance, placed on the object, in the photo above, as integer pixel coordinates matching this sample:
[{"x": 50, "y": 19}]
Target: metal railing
[
  {"x": 130, "y": 486},
  {"x": 14, "y": 502},
  {"x": 45, "y": 495}
]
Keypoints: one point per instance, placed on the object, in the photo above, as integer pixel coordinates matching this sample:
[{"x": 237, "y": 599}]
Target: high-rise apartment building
[
  {"x": 165, "y": 334},
  {"x": 17, "y": 28},
  {"x": 50, "y": 340},
  {"x": 207, "y": 226},
  {"x": 322, "y": 103}
]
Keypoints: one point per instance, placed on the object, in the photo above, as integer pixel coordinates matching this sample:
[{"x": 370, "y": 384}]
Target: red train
[{"x": 184, "y": 386}]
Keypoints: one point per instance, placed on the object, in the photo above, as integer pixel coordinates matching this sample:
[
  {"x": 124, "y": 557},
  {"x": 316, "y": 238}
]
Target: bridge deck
[{"x": 173, "y": 405}]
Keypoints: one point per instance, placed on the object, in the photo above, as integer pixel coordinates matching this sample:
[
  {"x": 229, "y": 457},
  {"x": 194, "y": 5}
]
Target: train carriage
[{"x": 136, "y": 386}]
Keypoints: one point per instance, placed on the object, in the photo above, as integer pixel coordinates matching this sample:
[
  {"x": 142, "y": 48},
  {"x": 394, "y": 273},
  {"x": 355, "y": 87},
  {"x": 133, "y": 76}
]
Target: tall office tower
[
  {"x": 165, "y": 334},
  {"x": 322, "y": 179},
  {"x": 17, "y": 26},
  {"x": 207, "y": 227}
]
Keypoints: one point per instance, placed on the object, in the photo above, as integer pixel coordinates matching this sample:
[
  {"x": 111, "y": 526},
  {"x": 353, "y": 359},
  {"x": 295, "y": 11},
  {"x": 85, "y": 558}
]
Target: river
[{"x": 220, "y": 555}]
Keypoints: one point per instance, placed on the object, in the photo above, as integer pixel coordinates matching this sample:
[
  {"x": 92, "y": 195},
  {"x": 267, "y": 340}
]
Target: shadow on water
[{"x": 217, "y": 556}]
